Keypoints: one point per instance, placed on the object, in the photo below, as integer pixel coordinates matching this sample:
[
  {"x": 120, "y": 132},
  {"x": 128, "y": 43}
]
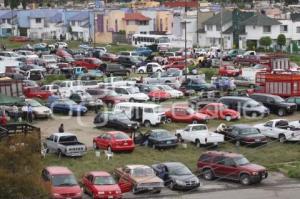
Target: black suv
[
  {"x": 275, "y": 103},
  {"x": 116, "y": 69},
  {"x": 245, "y": 105},
  {"x": 127, "y": 61}
]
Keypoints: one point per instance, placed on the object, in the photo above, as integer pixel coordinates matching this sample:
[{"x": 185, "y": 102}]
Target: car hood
[
  {"x": 190, "y": 177},
  {"x": 230, "y": 112},
  {"x": 66, "y": 189},
  {"x": 147, "y": 179},
  {"x": 107, "y": 188},
  {"x": 253, "y": 167},
  {"x": 253, "y": 136},
  {"x": 288, "y": 104},
  {"x": 41, "y": 109}
]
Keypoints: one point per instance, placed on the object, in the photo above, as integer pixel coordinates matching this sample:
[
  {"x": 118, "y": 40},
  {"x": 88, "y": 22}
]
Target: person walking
[
  {"x": 61, "y": 128},
  {"x": 29, "y": 113}
]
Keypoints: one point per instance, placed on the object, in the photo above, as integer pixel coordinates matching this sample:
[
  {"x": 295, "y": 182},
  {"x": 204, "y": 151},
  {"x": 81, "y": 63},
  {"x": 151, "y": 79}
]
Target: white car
[
  {"x": 173, "y": 92},
  {"x": 9, "y": 55},
  {"x": 28, "y": 54},
  {"x": 39, "y": 111},
  {"x": 131, "y": 94},
  {"x": 61, "y": 45},
  {"x": 295, "y": 124},
  {"x": 199, "y": 134},
  {"x": 53, "y": 88},
  {"x": 279, "y": 129},
  {"x": 150, "y": 67}
]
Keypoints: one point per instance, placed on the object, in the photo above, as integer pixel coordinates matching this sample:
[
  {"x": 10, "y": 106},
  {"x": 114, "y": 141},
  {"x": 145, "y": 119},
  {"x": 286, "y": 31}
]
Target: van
[
  {"x": 245, "y": 105},
  {"x": 147, "y": 114}
]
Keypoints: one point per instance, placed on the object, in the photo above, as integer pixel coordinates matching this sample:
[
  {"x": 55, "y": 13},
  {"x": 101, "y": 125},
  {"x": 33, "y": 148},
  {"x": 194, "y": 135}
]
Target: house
[
  {"x": 136, "y": 22},
  {"x": 79, "y": 26},
  {"x": 8, "y": 23}
]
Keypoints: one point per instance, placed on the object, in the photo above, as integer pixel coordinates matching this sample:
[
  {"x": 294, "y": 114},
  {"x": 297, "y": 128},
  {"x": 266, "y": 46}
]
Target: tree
[
  {"x": 265, "y": 41},
  {"x": 281, "y": 40},
  {"x": 20, "y": 168},
  {"x": 251, "y": 45}
]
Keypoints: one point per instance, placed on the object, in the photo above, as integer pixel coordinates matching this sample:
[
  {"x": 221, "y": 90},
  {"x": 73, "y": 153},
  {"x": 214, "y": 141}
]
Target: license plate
[
  {"x": 169, "y": 142},
  {"x": 110, "y": 197},
  {"x": 215, "y": 143},
  {"x": 257, "y": 140},
  {"x": 125, "y": 143},
  {"x": 68, "y": 198}
]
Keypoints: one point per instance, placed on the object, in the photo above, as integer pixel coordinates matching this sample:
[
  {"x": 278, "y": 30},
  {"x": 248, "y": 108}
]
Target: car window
[
  {"x": 219, "y": 160},
  {"x": 268, "y": 124},
  {"x": 229, "y": 162},
  {"x": 205, "y": 158},
  {"x": 298, "y": 100}
]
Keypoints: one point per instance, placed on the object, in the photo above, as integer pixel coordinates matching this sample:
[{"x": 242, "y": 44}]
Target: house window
[
  {"x": 218, "y": 28},
  {"x": 73, "y": 23},
  {"x": 283, "y": 28},
  {"x": 8, "y": 21},
  {"x": 38, "y": 20},
  {"x": 267, "y": 29},
  {"x": 298, "y": 29},
  {"x": 254, "y": 27},
  {"x": 127, "y": 22},
  {"x": 3, "y": 20},
  {"x": 209, "y": 27}
]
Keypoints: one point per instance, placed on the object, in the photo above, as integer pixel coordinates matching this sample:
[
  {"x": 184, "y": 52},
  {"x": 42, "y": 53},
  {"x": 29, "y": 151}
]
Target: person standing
[
  {"x": 29, "y": 113},
  {"x": 15, "y": 113},
  {"x": 61, "y": 128}
]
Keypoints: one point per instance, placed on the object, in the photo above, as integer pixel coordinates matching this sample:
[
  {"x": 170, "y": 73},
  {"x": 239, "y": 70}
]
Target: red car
[
  {"x": 246, "y": 60},
  {"x": 62, "y": 183},
  {"x": 62, "y": 53},
  {"x": 177, "y": 64},
  {"x": 36, "y": 92},
  {"x": 100, "y": 184},
  {"x": 229, "y": 71},
  {"x": 109, "y": 57},
  {"x": 219, "y": 111},
  {"x": 231, "y": 166},
  {"x": 114, "y": 141},
  {"x": 159, "y": 95},
  {"x": 185, "y": 115},
  {"x": 109, "y": 97},
  {"x": 88, "y": 63},
  {"x": 19, "y": 39}
]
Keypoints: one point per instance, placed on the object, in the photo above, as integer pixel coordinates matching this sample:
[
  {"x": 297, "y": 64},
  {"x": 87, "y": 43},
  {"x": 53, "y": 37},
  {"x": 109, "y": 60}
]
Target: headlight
[
  {"x": 288, "y": 107},
  {"x": 56, "y": 194},
  {"x": 78, "y": 193},
  {"x": 254, "y": 173},
  {"x": 180, "y": 182}
]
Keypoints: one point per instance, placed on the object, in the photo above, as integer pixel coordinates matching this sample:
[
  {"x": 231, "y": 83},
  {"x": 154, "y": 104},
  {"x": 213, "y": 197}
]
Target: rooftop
[
  {"x": 135, "y": 17},
  {"x": 260, "y": 20}
]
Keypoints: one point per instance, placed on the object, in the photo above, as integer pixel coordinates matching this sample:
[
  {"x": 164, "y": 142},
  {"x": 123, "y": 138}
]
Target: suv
[
  {"x": 275, "y": 103},
  {"x": 231, "y": 166},
  {"x": 62, "y": 183},
  {"x": 116, "y": 69},
  {"x": 128, "y": 61},
  {"x": 245, "y": 105}
]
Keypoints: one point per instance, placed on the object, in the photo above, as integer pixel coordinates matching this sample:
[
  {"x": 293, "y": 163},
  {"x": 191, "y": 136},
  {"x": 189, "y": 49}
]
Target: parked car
[
  {"x": 173, "y": 92},
  {"x": 177, "y": 64},
  {"x": 154, "y": 92},
  {"x": 245, "y": 135},
  {"x": 114, "y": 141},
  {"x": 116, "y": 70},
  {"x": 229, "y": 71},
  {"x": 232, "y": 54},
  {"x": 109, "y": 57},
  {"x": 89, "y": 63},
  {"x": 161, "y": 138},
  {"x": 66, "y": 106},
  {"x": 85, "y": 99},
  {"x": 185, "y": 115},
  {"x": 176, "y": 175},
  {"x": 245, "y": 105},
  {"x": 246, "y": 60},
  {"x": 131, "y": 93},
  {"x": 295, "y": 100},
  {"x": 165, "y": 77},
  {"x": 108, "y": 97},
  {"x": 151, "y": 67},
  {"x": 280, "y": 129},
  {"x": 52, "y": 88},
  {"x": 223, "y": 83},
  {"x": 61, "y": 182},
  {"x": 100, "y": 184},
  {"x": 65, "y": 144},
  {"x": 220, "y": 111},
  {"x": 275, "y": 103},
  {"x": 35, "y": 74},
  {"x": 128, "y": 61},
  {"x": 197, "y": 85},
  {"x": 137, "y": 178},
  {"x": 143, "y": 51},
  {"x": 244, "y": 81},
  {"x": 199, "y": 134},
  {"x": 36, "y": 92},
  {"x": 38, "y": 110},
  {"x": 118, "y": 121},
  {"x": 230, "y": 166},
  {"x": 28, "y": 54}
]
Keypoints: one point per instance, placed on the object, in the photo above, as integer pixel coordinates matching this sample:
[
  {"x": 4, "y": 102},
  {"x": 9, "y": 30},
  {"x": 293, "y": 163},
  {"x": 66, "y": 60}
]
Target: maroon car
[
  {"x": 109, "y": 97},
  {"x": 109, "y": 57},
  {"x": 246, "y": 60},
  {"x": 230, "y": 166}
]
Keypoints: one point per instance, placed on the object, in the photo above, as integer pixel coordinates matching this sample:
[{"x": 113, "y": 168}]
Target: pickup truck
[
  {"x": 199, "y": 134},
  {"x": 65, "y": 144},
  {"x": 280, "y": 129}
]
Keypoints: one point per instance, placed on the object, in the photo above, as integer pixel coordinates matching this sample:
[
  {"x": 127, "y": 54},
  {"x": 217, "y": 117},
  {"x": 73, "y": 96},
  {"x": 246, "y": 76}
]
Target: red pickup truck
[
  {"x": 229, "y": 71},
  {"x": 36, "y": 92},
  {"x": 88, "y": 63},
  {"x": 177, "y": 64}
]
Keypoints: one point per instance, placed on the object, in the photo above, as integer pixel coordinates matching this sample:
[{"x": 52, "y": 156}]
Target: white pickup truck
[
  {"x": 279, "y": 129},
  {"x": 199, "y": 134}
]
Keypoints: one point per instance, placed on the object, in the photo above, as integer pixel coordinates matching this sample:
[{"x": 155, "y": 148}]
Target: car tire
[
  {"x": 141, "y": 71},
  {"x": 282, "y": 138},
  {"x": 208, "y": 174},
  {"x": 169, "y": 120},
  {"x": 245, "y": 179},
  {"x": 195, "y": 122},
  {"x": 179, "y": 138},
  {"x": 198, "y": 143},
  {"x": 147, "y": 124},
  {"x": 95, "y": 146},
  {"x": 134, "y": 190},
  {"x": 228, "y": 118},
  {"x": 254, "y": 115},
  {"x": 167, "y": 82},
  {"x": 172, "y": 185},
  {"x": 131, "y": 100},
  {"x": 281, "y": 112}
]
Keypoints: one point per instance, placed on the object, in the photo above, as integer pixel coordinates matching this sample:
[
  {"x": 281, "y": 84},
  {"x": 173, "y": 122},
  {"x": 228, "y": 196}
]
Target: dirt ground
[{"x": 84, "y": 128}]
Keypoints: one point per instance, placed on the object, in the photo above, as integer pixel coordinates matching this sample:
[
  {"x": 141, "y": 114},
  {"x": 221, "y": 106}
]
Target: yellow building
[{"x": 164, "y": 21}]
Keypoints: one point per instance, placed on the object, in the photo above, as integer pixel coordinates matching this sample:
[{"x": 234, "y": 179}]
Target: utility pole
[
  {"x": 11, "y": 21},
  {"x": 95, "y": 18},
  {"x": 185, "y": 40},
  {"x": 198, "y": 7},
  {"x": 222, "y": 40}
]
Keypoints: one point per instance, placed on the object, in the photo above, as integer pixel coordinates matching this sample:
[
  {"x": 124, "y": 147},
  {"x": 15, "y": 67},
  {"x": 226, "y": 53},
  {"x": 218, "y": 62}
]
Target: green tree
[
  {"x": 20, "y": 168},
  {"x": 281, "y": 40},
  {"x": 265, "y": 41},
  {"x": 251, "y": 45}
]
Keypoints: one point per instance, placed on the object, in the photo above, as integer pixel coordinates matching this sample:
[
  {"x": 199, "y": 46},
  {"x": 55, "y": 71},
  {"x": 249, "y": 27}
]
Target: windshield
[
  {"x": 190, "y": 111},
  {"x": 122, "y": 116},
  {"x": 63, "y": 180},
  {"x": 199, "y": 128},
  {"x": 166, "y": 87},
  {"x": 199, "y": 81},
  {"x": 63, "y": 139},
  {"x": 241, "y": 161},
  {"x": 179, "y": 170},
  {"x": 133, "y": 90},
  {"x": 278, "y": 99},
  {"x": 112, "y": 94},
  {"x": 141, "y": 172},
  {"x": 104, "y": 180},
  {"x": 157, "y": 109},
  {"x": 70, "y": 102},
  {"x": 249, "y": 131},
  {"x": 34, "y": 103},
  {"x": 121, "y": 136},
  {"x": 163, "y": 40}
]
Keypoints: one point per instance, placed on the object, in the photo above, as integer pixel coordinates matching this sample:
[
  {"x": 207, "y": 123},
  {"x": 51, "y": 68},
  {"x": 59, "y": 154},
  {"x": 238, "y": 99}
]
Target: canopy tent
[{"x": 9, "y": 101}]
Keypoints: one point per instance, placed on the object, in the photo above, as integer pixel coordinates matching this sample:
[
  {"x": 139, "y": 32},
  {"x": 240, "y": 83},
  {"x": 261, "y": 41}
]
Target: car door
[
  {"x": 229, "y": 169},
  {"x": 232, "y": 134},
  {"x": 125, "y": 181},
  {"x": 218, "y": 166},
  {"x": 49, "y": 143},
  {"x": 101, "y": 141},
  {"x": 88, "y": 183},
  {"x": 180, "y": 115},
  {"x": 267, "y": 130}
]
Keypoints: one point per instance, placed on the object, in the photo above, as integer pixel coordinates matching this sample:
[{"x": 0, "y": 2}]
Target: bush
[
  {"x": 52, "y": 78},
  {"x": 209, "y": 72}
]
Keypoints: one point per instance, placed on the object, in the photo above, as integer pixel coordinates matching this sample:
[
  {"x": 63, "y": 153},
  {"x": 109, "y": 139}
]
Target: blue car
[
  {"x": 66, "y": 106},
  {"x": 143, "y": 51}
]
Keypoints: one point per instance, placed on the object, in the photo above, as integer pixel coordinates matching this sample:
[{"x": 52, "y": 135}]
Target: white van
[
  {"x": 147, "y": 114},
  {"x": 66, "y": 88}
]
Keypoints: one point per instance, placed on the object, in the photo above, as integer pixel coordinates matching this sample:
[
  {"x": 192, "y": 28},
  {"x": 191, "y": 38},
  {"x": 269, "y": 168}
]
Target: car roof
[
  {"x": 58, "y": 170},
  {"x": 63, "y": 134},
  {"x": 172, "y": 164},
  {"x": 236, "y": 97},
  {"x": 215, "y": 104},
  {"x": 99, "y": 173},
  {"x": 134, "y": 166},
  {"x": 242, "y": 126},
  {"x": 138, "y": 104},
  {"x": 114, "y": 132},
  {"x": 222, "y": 153},
  {"x": 263, "y": 94}
]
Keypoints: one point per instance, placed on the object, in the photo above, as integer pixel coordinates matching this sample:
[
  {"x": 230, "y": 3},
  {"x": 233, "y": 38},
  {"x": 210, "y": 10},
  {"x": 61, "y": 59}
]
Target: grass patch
[{"x": 295, "y": 58}]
